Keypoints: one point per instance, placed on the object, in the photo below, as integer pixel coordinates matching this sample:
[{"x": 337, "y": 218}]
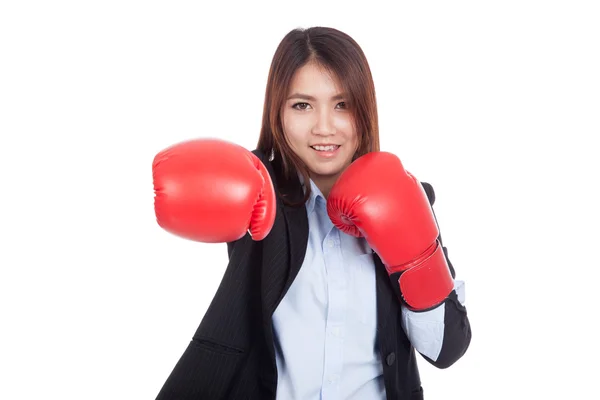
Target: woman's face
[{"x": 317, "y": 124}]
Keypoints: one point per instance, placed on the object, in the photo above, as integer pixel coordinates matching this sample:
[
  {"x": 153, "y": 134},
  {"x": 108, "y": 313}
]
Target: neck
[{"x": 325, "y": 183}]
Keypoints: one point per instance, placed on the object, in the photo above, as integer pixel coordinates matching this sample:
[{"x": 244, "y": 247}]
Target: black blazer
[{"x": 231, "y": 355}]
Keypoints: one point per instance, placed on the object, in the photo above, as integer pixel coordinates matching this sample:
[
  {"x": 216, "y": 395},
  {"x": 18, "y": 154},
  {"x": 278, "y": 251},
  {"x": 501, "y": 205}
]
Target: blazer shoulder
[
  {"x": 261, "y": 156},
  {"x": 429, "y": 191}
]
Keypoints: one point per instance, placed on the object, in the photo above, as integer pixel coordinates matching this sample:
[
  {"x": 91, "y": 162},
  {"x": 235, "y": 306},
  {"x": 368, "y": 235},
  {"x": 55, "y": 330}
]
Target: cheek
[
  {"x": 350, "y": 135},
  {"x": 345, "y": 124},
  {"x": 295, "y": 129}
]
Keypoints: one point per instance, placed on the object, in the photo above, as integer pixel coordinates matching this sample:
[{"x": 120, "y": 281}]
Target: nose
[{"x": 324, "y": 124}]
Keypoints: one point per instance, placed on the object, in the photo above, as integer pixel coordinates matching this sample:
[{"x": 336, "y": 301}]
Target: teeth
[{"x": 325, "y": 148}]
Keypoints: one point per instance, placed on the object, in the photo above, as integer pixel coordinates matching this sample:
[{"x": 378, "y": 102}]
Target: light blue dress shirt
[{"x": 325, "y": 326}]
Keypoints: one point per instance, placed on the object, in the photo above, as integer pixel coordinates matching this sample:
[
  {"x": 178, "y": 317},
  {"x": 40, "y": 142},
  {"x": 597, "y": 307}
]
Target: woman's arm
[{"x": 441, "y": 335}]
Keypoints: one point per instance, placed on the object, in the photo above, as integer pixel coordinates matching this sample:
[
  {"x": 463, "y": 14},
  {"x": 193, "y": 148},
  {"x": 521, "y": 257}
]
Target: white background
[{"x": 496, "y": 104}]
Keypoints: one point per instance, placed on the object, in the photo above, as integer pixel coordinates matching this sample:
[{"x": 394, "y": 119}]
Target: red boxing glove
[
  {"x": 376, "y": 198},
  {"x": 212, "y": 191}
]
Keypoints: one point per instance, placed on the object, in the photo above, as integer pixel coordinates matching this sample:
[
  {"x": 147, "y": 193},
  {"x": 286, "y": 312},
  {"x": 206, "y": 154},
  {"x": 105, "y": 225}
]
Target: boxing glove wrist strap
[{"x": 426, "y": 281}]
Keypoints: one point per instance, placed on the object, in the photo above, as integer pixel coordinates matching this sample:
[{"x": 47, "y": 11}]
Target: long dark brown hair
[{"x": 342, "y": 57}]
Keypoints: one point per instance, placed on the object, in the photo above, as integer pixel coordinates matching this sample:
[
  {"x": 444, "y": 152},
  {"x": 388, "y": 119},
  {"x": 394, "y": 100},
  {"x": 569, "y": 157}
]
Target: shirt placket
[{"x": 336, "y": 315}]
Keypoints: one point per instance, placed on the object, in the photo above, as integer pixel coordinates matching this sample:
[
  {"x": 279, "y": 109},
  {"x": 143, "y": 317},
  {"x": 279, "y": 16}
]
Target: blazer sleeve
[{"x": 441, "y": 335}]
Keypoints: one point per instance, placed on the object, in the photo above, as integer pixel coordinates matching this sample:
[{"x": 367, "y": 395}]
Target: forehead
[{"x": 314, "y": 79}]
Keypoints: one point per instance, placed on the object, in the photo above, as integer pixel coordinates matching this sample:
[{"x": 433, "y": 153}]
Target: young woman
[{"x": 337, "y": 273}]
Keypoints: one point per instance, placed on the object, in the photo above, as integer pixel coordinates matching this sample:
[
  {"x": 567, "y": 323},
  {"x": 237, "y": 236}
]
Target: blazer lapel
[
  {"x": 285, "y": 246},
  {"x": 386, "y": 298}
]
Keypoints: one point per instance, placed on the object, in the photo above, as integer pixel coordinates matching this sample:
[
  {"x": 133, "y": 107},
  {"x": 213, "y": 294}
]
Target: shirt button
[
  {"x": 333, "y": 378},
  {"x": 330, "y": 243},
  {"x": 390, "y": 358}
]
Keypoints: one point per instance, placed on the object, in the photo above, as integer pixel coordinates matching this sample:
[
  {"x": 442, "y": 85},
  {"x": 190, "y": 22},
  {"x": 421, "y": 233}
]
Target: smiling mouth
[{"x": 332, "y": 147}]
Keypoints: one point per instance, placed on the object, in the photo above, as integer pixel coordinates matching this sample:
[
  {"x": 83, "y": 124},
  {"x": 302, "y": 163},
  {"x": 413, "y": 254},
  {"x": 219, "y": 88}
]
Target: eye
[
  {"x": 300, "y": 106},
  {"x": 343, "y": 103}
]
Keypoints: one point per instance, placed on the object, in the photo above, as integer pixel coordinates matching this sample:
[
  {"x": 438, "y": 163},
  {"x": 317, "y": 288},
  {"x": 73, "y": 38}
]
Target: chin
[
  {"x": 326, "y": 172},
  {"x": 327, "y": 168}
]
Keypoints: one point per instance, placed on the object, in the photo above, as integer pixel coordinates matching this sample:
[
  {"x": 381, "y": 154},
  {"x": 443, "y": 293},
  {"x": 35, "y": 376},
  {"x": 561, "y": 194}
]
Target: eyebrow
[{"x": 307, "y": 97}]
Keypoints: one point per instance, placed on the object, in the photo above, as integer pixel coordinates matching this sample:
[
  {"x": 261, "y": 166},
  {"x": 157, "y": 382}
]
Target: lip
[{"x": 327, "y": 154}]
